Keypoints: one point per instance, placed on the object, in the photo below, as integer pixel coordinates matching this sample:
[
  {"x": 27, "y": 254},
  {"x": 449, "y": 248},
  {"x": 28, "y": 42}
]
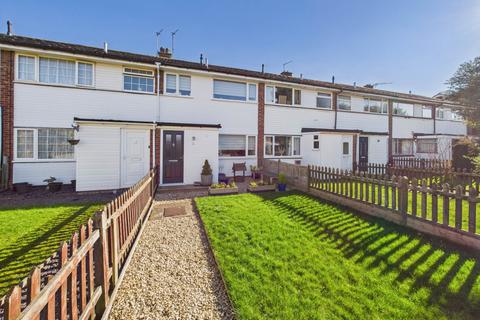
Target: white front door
[
  {"x": 346, "y": 153},
  {"x": 135, "y": 156}
]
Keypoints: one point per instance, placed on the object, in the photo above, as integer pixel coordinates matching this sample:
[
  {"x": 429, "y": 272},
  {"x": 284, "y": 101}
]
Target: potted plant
[
  {"x": 53, "y": 185},
  {"x": 282, "y": 182},
  {"x": 22, "y": 187},
  {"x": 223, "y": 188},
  {"x": 206, "y": 176},
  {"x": 260, "y": 186},
  {"x": 255, "y": 172}
]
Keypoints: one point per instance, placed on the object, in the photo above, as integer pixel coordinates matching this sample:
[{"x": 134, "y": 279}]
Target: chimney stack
[
  {"x": 286, "y": 73},
  {"x": 263, "y": 68},
  {"x": 201, "y": 58},
  {"x": 105, "y": 47},
  {"x": 165, "y": 53},
  {"x": 333, "y": 79},
  {"x": 9, "y": 28}
]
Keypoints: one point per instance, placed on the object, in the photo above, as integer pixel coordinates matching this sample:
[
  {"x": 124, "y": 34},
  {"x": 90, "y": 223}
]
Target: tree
[{"x": 465, "y": 89}]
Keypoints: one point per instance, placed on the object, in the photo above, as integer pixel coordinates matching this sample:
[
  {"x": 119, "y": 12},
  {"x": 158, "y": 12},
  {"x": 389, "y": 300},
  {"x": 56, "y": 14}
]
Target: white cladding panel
[
  {"x": 98, "y": 158},
  {"x": 48, "y": 106},
  {"x": 236, "y": 117},
  {"x": 330, "y": 152},
  {"x": 291, "y": 120},
  {"x": 199, "y": 145},
  {"x": 36, "y": 172},
  {"x": 108, "y": 76},
  {"x": 405, "y": 127},
  {"x": 362, "y": 121},
  {"x": 451, "y": 127}
]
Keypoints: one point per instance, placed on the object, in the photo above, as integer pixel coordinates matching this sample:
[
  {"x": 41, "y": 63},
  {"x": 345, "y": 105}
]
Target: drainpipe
[{"x": 155, "y": 114}]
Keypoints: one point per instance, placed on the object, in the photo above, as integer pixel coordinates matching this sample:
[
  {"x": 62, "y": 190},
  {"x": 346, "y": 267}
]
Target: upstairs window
[
  {"x": 270, "y": 94},
  {"x": 457, "y": 116},
  {"x": 375, "y": 105},
  {"x": 427, "y": 146},
  {"x": 26, "y": 68},
  {"x": 178, "y": 84},
  {"x": 344, "y": 102},
  {"x": 403, "y": 109},
  {"x": 426, "y": 112},
  {"x": 283, "y": 95},
  {"x": 440, "y": 113},
  {"x": 252, "y": 92},
  {"x": 230, "y": 90},
  {"x": 324, "y": 101},
  {"x": 57, "y": 71},
  {"x": 85, "y": 74},
  {"x": 298, "y": 97},
  {"x": 138, "y": 80}
]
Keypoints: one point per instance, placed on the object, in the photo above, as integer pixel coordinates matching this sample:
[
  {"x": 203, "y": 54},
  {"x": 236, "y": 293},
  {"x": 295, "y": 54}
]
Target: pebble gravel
[{"x": 172, "y": 274}]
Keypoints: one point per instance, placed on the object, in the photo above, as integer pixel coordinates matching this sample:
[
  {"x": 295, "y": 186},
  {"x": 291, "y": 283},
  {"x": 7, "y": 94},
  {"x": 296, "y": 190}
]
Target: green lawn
[
  {"x": 451, "y": 205},
  {"x": 30, "y": 235},
  {"x": 291, "y": 256}
]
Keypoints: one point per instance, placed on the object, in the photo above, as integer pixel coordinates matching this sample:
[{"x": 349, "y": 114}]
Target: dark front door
[
  {"x": 363, "y": 153},
  {"x": 172, "y": 156}
]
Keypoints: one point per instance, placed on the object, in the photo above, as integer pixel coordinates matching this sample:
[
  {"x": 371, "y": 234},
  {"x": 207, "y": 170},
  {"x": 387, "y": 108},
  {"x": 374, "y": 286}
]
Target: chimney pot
[
  {"x": 333, "y": 79},
  {"x": 105, "y": 47},
  {"x": 201, "y": 58},
  {"x": 263, "y": 68},
  {"x": 164, "y": 53},
  {"x": 9, "y": 28},
  {"x": 286, "y": 73}
]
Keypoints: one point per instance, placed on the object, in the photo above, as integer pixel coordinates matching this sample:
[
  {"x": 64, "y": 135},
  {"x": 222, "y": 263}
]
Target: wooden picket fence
[
  {"x": 408, "y": 197},
  {"x": 411, "y": 162},
  {"x": 77, "y": 282},
  {"x": 432, "y": 175}
]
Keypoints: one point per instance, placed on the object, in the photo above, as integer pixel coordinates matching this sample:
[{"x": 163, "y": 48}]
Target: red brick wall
[
  {"x": 161, "y": 82},
  {"x": 7, "y": 72},
  {"x": 261, "y": 123}
]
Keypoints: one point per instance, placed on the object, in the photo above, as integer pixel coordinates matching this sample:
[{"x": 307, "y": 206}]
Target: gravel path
[{"x": 172, "y": 274}]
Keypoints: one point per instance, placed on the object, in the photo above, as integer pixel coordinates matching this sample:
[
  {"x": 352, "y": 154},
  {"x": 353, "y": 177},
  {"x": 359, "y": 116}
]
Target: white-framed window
[
  {"x": 85, "y": 74},
  {"x": 426, "y": 112},
  {"x": 26, "y": 68},
  {"x": 344, "y": 102},
  {"x": 43, "y": 144},
  {"x": 282, "y": 146},
  {"x": 25, "y": 144},
  {"x": 178, "y": 84},
  {"x": 56, "y": 71},
  {"x": 403, "y": 109},
  {"x": 345, "y": 148},
  {"x": 375, "y": 105},
  {"x": 236, "y": 145},
  {"x": 403, "y": 147},
  {"x": 426, "y": 145},
  {"x": 324, "y": 100},
  {"x": 283, "y": 95},
  {"x": 316, "y": 142},
  {"x": 270, "y": 94},
  {"x": 232, "y": 90},
  {"x": 138, "y": 80},
  {"x": 297, "y": 97},
  {"x": 440, "y": 113},
  {"x": 456, "y": 116}
]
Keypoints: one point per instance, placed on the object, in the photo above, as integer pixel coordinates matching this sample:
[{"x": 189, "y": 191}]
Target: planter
[
  {"x": 269, "y": 187},
  {"x": 54, "y": 186},
  {"x": 22, "y": 187},
  {"x": 220, "y": 191},
  {"x": 206, "y": 180},
  {"x": 282, "y": 186}
]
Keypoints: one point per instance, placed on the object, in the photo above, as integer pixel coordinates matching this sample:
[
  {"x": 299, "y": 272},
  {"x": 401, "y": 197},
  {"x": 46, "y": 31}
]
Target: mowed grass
[
  {"x": 30, "y": 235},
  {"x": 292, "y": 256},
  {"x": 440, "y": 199}
]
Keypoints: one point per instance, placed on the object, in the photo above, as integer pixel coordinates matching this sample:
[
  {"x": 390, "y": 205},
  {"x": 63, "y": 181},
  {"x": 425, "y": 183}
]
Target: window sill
[
  {"x": 411, "y": 117},
  {"x": 174, "y": 95},
  {"x": 81, "y": 86},
  {"x": 42, "y": 160},
  {"x": 236, "y": 158},
  {"x": 283, "y": 157},
  {"x": 235, "y": 101}
]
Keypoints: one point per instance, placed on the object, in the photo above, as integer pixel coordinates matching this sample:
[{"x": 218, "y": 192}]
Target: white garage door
[{"x": 135, "y": 156}]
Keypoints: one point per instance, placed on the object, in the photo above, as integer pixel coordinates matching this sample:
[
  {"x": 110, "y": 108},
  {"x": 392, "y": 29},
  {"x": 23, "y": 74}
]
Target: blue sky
[{"x": 416, "y": 45}]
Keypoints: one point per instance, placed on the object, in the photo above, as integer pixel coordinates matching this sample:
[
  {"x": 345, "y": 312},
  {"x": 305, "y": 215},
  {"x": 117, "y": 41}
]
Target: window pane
[
  {"x": 231, "y": 145},
  {"x": 427, "y": 112},
  {"x": 324, "y": 101},
  {"x": 403, "y": 109},
  {"x": 171, "y": 83},
  {"x": 427, "y": 146},
  {"x": 57, "y": 71},
  {"x": 283, "y": 146},
  {"x": 184, "y": 85},
  {"x": 26, "y": 68},
  {"x": 269, "y": 145},
  {"x": 296, "y": 146},
  {"x": 252, "y": 92},
  {"x": 283, "y": 95},
  {"x": 344, "y": 103},
  {"x": 346, "y": 148},
  {"x": 25, "y": 144},
  {"x": 134, "y": 83},
  {"x": 298, "y": 97},
  {"x": 252, "y": 145},
  {"x": 229, "y": 90},
  {"x": 85, "y": 74},
  {"x": 403, "y": 146},
  {"x": 269, "y": 94},
  {"x": 53, "y": 143}
]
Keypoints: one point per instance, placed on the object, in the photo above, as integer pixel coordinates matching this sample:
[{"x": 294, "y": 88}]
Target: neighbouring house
[{"x": 104, "y": 117}]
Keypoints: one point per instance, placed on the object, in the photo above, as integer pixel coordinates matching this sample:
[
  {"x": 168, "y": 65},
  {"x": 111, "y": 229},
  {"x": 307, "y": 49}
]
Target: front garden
[
  {"x": 292, "y": 256},
  {"x": 29, "y": 235}
]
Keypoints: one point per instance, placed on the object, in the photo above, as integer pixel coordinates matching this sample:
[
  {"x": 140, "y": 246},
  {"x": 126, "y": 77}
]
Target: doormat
[{"x": 174, "y": 211}]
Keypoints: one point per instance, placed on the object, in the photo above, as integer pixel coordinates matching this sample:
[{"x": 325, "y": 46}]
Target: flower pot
[
  {"x": 282, "y": 186},
  {"x": 206, "y": 180},
  {"x": 22, "y": 187},
  {"x": 55, "y": 186}
]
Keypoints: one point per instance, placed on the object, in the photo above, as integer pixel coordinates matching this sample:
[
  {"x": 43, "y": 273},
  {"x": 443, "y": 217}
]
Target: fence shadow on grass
[
  {"x": 448, "y": 272},
  {"x": 18, "y": 258}
]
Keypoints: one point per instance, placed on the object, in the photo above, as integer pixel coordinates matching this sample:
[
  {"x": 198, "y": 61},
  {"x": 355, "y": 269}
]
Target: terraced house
[{"x": 104, "y": 117}]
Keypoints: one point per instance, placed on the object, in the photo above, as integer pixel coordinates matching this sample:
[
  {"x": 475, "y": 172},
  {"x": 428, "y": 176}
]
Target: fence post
[
  {"x": 101, "y": 261},
  {"x": 403, "y": 197},
  {"x": 446, "y": 204},
  {"x": 309, "y": 172},
  {"x": 13, "y": 303},
  {"x": 472, "y": 210}
]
